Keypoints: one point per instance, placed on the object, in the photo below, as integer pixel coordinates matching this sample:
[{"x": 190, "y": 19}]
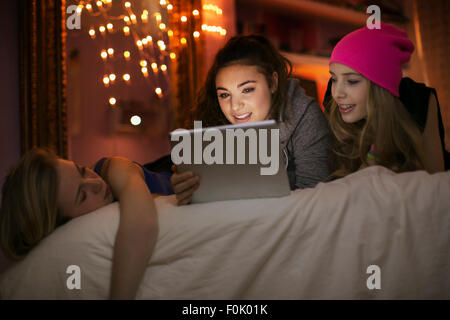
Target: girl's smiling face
[
  {"x": 243, "y": 93},
  {"x": 349, "y": 89}
]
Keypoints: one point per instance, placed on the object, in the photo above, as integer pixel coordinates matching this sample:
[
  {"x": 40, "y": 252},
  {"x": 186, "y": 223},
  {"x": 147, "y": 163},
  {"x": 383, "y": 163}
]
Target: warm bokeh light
[
  {"x": 162, "y": 45},
  {"x": 149, "y": 54},
  {"x": 135, "y": 120},
  {"x": 213, "y": 8},
  {"x": 216, "y": 29}
]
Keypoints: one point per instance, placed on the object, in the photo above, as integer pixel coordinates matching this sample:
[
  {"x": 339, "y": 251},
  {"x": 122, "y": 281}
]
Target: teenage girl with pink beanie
[{"x": 370, "y": 123}]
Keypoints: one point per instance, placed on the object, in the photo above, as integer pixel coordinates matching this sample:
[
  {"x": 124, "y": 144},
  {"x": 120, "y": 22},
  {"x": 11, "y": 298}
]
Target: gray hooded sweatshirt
[{"x": 304, "y": 139}]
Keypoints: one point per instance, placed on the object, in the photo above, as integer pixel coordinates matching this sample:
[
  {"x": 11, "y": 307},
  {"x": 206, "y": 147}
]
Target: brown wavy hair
[
  {"x": 29, "y": 203},
  {"x": 250, "y": 50},
  {"x": 388, "y": 126}
]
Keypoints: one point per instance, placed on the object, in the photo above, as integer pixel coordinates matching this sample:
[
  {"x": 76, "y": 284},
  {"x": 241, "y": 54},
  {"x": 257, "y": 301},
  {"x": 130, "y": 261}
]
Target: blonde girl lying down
[{"x": 43, "y": 192}]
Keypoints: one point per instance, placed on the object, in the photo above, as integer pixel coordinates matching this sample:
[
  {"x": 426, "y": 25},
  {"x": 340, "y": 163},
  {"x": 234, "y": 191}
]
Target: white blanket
[{"x": 314, "y": 244}]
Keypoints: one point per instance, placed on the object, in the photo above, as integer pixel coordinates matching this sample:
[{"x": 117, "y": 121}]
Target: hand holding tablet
[{"x": 184, "y": 185}]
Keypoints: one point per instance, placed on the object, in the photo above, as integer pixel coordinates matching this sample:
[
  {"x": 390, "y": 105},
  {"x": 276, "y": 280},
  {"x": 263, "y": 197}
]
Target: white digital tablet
[{"x": 239, "y": 161}]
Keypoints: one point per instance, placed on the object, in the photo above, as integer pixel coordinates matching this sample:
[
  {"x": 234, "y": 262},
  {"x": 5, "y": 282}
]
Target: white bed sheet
[{"x": 314, "y": 244}]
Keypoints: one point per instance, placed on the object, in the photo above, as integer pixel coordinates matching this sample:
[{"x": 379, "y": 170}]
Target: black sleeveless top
[{"x": 415, "y": 97}]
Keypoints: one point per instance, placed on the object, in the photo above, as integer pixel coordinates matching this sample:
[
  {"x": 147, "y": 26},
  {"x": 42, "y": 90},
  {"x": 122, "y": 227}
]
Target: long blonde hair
[
  {"x": 29, "y": 203},
  {"x": 388, "y": 126}
]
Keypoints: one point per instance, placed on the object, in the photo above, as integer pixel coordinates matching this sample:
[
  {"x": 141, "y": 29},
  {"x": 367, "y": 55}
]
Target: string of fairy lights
[{"x": 149, "y": 35}]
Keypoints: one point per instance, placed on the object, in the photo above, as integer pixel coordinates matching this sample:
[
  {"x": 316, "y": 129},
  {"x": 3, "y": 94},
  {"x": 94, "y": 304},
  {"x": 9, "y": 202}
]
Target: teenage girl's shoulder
[
  {"x": 297, "y": 98},
  {"x": 415, "y": 96},
  {"x": 117, "y": 164},
  {"x": 101, "y": 166}
]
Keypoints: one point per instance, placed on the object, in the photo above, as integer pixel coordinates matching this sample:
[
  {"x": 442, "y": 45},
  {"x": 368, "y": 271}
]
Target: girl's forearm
[
  {"x": 137, "y": 232},
  {"x": 133, "y": 249}
]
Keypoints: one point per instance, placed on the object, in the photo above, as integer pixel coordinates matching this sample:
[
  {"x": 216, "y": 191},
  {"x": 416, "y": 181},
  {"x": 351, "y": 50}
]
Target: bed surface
[{"x": 313, "y": 244}]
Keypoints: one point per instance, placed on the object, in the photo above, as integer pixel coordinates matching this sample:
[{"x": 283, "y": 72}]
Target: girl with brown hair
[{"x": 248, "y": 82}]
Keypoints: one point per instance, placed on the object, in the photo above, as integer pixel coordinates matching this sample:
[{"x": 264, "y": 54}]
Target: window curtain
[{"x": 42, "y": 75}]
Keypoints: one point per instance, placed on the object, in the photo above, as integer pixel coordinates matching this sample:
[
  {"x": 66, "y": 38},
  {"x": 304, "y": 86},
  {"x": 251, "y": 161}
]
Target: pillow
[{"x": 86, "y": 242}]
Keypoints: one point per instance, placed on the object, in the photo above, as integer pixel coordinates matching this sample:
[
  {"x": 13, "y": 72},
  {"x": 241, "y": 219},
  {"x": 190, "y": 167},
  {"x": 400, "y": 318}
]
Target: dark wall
[{"x": 9, "y": 93}]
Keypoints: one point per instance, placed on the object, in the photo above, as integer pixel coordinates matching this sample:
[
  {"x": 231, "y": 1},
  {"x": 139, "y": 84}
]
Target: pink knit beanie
[{"x": 378, "y": 54}]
